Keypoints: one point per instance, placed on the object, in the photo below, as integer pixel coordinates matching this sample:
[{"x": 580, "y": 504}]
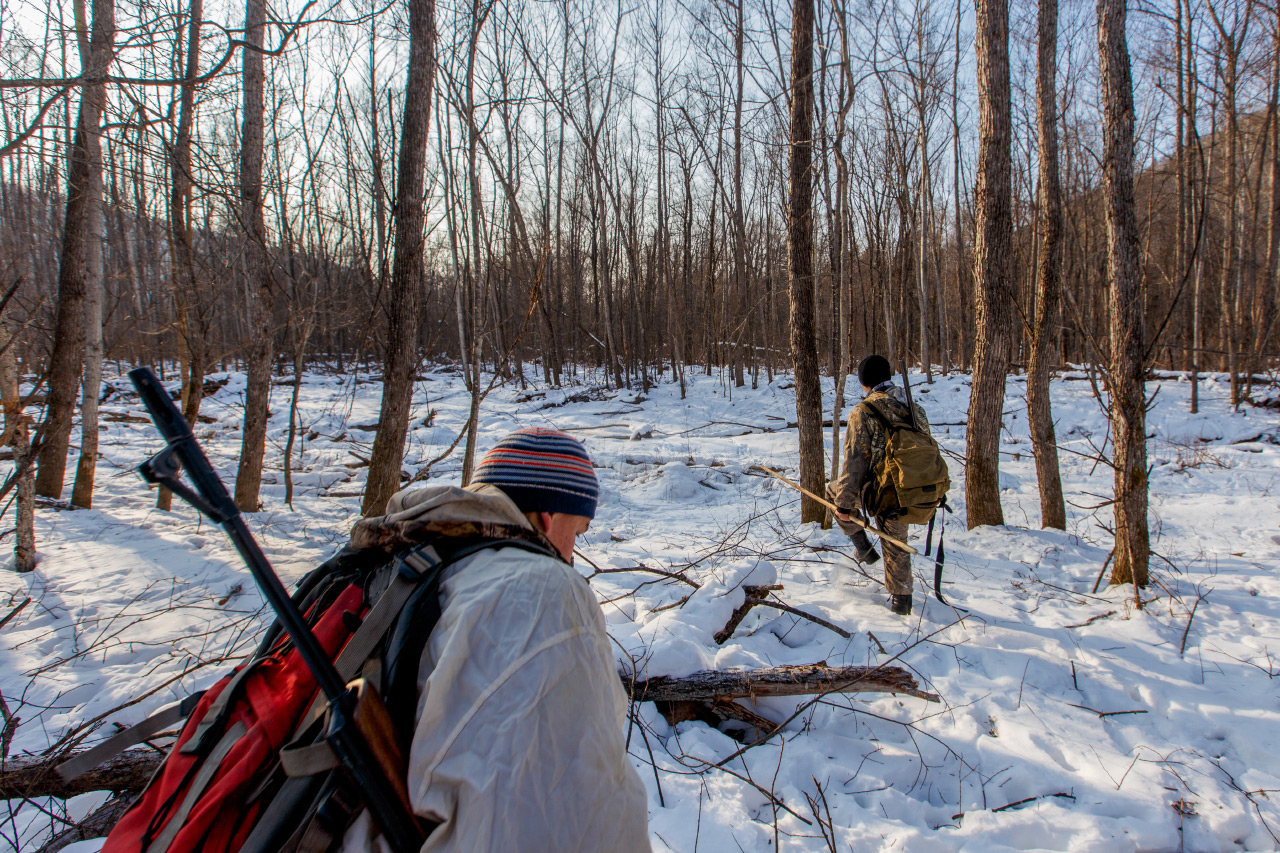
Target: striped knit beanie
[{"x": 542, "y": 470}]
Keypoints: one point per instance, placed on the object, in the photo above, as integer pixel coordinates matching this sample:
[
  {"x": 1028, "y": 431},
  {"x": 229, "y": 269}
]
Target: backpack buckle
[{"x": 418, "y": 563}]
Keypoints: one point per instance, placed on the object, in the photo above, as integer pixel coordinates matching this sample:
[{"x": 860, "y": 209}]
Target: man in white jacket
[{"x": 519, "y": 743}]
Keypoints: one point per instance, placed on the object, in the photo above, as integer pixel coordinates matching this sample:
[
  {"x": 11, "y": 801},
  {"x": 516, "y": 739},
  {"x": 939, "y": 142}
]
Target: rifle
[
  {"x": 358, "y": 727},
  {"x": 906, "y": 387}
]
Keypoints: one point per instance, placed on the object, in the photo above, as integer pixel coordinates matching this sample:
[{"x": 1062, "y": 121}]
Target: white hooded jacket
[{"x": 519, "y": 743}]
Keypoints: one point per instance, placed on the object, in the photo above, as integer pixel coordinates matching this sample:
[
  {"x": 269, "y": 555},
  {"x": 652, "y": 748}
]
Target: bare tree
[
  {"x": 84, "y": 177},
  {"x": 1125, "y": 375},
  {"x": 191, "y": 321},
  {"x": 17, "y": 436},
  {"x": 1044, "y": 330},
  {"x": 804, "y": 349},
  {"x": 408, "y": 269},
  {"x": 992, "y": 253},
  {"x": 260, "y": 289}
]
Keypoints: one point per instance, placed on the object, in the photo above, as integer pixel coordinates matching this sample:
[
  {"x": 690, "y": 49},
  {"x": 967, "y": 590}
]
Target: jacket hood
[
  {"x": 481, "y": 511},
  {"x": 483, "y": 504}
]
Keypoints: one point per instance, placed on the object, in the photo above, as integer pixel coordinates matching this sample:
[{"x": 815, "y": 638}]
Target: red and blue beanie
[{"x": 542, "y": 470}]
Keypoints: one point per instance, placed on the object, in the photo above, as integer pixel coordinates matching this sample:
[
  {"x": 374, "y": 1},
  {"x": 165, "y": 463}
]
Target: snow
[{"x": 1100, "y": 726}]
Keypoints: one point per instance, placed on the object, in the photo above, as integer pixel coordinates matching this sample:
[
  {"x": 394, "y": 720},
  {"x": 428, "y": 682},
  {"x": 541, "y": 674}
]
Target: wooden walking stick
[{"x": 886, "y": 537}]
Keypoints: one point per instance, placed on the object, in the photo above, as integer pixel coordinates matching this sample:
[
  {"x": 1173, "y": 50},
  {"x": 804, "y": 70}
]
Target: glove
[{"x": 864, "y": 551}]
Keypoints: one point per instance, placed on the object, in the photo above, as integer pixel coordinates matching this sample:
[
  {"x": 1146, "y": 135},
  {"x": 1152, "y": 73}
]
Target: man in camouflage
[{"x": 864, "y": 449}]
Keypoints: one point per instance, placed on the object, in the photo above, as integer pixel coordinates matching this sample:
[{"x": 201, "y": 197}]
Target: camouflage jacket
[{"x": 864, "y": 442}]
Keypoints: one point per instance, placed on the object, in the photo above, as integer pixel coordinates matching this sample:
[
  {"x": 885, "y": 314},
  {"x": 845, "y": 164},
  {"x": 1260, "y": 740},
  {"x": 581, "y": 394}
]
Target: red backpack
[
  {"x": 250, "y": 771},
  {"x": 208, "y": 794}
]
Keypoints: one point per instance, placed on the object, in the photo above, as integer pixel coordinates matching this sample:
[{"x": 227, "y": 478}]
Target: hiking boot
[
  {"x": 900, "y": 604},
  {"x": 864, "y": 551}
]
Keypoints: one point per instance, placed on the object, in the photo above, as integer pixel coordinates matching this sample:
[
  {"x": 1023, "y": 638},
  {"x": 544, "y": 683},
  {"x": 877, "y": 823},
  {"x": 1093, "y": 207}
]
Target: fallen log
[
  {"x": 36, "y": 777},
  {"x": 710, "y": 690},
  {"x": 805, "y": 680}
]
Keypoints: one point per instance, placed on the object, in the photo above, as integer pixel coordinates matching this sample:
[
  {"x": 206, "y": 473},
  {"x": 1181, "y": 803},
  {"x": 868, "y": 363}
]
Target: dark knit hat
[
  {"x": 873, "y": 370},
  {"x": 542, "y": 470}
]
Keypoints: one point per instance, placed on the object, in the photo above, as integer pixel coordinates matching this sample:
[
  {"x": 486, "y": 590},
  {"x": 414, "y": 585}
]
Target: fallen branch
[
  {"x": 755, "y": 595},
  {"x": 1091, "y": 620},
  {"x": 15, "y": 611},
  {"x": 31, "y": 777},
  {"x": 794, "y": 611},
  {"x": 675, "y": 576},
  {"x": 1016, "y": 803},
  {"x": 759, "y": 596},
  {"x": 1102, "y": 715}
]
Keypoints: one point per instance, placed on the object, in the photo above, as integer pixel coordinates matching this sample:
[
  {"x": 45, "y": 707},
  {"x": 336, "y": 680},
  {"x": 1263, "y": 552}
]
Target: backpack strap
[
  {"x": 208, "y": 769},
  {"x": 419, "y": 564},
  {"x": 162, "y": 719},
  {"x": 420, "y": 567},
  {"x": 884, "y": 420},
  {"x": 941, "y": 558}
]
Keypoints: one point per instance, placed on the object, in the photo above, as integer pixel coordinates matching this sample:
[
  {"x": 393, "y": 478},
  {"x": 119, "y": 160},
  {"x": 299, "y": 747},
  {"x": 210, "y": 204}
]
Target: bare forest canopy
[{"x": 606, "y": 183}]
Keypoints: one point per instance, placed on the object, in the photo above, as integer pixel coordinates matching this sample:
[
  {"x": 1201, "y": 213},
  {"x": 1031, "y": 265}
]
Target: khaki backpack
[{"x": 912, "y": 480}]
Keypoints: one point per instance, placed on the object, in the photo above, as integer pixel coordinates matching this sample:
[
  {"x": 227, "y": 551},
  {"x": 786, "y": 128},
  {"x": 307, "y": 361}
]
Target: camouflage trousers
[{"x": 897, "y": 562}]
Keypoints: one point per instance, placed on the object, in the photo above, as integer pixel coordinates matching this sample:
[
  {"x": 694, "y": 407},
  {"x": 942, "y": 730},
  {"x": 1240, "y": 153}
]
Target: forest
[
  {"x": 575, "y": 184},
  {"x": 605, "y": 198}
]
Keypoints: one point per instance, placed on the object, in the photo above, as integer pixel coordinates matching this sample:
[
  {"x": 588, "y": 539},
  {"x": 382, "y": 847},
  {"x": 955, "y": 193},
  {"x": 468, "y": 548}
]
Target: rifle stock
[{"x": 373, "y": 721}]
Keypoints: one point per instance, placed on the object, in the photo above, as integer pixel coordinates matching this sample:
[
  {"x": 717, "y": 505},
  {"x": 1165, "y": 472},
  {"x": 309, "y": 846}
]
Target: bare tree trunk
[
  {"x": 17, "y": 436},
  {"x": 183, "y": 278},
  {"x": 407, "y": 270},
  {"x": 739, "y": 212},
  {"x": 1271, "y": 296},
  {"x": 260, "y": 291},
  {"x": 303, "y": 327},
  {"x": 91, "y": 382},
  {"x": 1125, "y": 377},
  {"x": 992, "y": 252},
  {"x": 804, "y": 350},
  {"x": 478, "y": 242},
  {"x": 84, "y": 179},
  {"x": 961, "y": 355},
  {"x": 1053, "y": 512}
]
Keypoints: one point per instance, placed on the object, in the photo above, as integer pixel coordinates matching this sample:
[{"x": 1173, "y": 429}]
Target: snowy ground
[{"x": 1069, "y": 720}]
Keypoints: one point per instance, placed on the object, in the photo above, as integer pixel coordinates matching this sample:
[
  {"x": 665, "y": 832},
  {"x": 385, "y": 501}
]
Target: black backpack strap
[
  {"x": 942, "y": 556},
  {"x": 417, "y": 620}
]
